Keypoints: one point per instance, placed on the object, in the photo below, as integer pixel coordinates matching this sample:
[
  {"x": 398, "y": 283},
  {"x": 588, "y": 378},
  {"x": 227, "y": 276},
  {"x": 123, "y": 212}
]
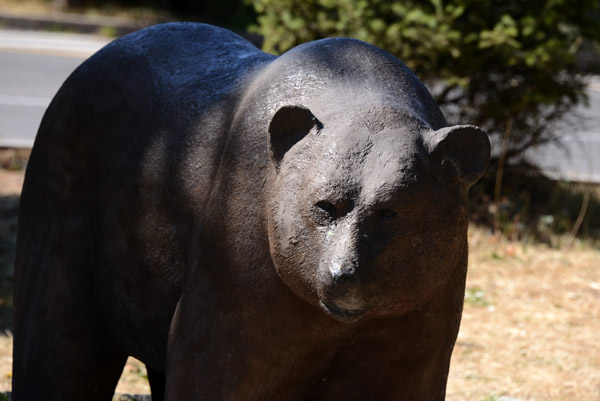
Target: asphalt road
[
  {"x": 577, "y": 158},
  {"x": 33, "y": 65}
]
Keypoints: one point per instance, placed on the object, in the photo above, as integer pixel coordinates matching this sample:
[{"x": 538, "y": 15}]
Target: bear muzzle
[{"x": 342, "y": 294}]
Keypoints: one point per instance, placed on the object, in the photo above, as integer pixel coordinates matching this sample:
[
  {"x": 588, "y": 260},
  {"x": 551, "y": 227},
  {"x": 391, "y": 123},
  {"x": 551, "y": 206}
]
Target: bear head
[{"x": 367, "y": 217}]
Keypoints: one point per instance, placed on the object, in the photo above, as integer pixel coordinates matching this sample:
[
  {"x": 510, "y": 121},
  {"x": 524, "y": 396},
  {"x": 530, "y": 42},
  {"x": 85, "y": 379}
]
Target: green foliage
[
  {"x": 234, "y": 14},
  {"x": 507, "y": 66}
]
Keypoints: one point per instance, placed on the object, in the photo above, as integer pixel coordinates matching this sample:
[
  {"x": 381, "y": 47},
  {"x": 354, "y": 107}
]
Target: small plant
[
  {"x": 108, "y": 31},
  {"x": 475, "y": 296}
]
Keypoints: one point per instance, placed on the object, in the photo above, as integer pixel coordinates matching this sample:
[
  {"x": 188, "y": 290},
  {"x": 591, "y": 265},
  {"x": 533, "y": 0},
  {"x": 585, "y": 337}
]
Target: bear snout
[
  {"x": 342, "y": 273},
  {"x": 342, "y": 295}
]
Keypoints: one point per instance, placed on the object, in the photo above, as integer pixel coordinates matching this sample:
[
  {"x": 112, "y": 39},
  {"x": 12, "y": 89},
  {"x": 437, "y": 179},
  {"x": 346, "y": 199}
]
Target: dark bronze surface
[{"x": 251, "y": 227}]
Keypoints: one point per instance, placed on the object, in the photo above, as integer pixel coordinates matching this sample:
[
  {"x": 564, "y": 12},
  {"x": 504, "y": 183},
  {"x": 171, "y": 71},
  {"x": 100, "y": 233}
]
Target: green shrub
[{"x": 507, "y": 66}]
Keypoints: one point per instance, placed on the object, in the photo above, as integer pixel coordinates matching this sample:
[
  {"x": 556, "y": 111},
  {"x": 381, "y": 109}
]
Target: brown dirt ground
[{"x": 529, "y": 330}]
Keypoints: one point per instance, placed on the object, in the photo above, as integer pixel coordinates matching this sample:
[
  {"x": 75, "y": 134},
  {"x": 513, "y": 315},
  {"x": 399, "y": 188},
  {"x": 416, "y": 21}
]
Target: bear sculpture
[{"x": 251, "y": 227}]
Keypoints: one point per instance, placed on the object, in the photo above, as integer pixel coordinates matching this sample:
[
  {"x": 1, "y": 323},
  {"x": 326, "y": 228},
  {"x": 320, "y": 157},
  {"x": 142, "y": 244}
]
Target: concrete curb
[{"x": 69, "y": 22}]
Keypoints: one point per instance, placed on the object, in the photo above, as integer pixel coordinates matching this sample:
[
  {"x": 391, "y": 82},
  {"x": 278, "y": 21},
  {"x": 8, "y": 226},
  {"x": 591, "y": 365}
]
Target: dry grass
[
  {"x": 134, "y": 379},
  {"x": 141, "y": 15},
  {"x": 530, "y": 329},
  {"x": 531, "y": 324},
  {"x": 26, "y": 6}
]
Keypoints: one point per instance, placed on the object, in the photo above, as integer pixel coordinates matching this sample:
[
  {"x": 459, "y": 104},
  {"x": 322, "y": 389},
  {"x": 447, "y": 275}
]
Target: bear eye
[
  {"x": 387, "y": 214},
  {"x": 327, "y": 207}
]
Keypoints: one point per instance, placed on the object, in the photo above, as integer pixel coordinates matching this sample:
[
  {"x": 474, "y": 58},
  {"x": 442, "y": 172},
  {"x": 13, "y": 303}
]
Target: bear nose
[{"x": 342, "y": 273}]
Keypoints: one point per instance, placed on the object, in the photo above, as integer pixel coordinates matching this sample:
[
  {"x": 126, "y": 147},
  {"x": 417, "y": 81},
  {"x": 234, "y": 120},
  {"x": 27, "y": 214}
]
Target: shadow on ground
[{"x": 535, "y": 208}]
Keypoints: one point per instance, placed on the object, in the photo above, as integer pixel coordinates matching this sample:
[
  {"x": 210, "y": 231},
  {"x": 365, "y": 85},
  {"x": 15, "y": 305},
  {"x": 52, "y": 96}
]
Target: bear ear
[
  {"x": 465, "y": 146},
  {"x": 289, "y": 125}
]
